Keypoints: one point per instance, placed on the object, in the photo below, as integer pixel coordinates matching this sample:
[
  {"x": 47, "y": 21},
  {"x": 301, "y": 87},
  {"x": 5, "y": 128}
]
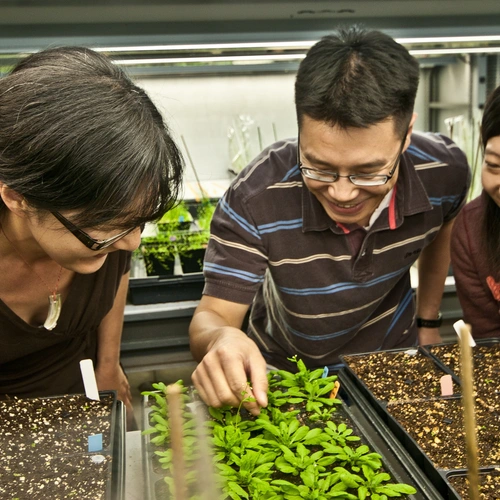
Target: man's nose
[{"x": 343, "y": 190}]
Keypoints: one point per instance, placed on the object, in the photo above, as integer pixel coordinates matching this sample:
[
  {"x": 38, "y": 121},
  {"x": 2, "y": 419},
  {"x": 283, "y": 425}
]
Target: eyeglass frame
[
  {"x": 337, "y": 176},
  {"x": 87, "y": 240}
]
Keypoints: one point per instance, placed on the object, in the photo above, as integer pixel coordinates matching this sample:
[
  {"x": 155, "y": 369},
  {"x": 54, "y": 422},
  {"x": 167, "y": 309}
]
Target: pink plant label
[{"x": 446, "y": 385}]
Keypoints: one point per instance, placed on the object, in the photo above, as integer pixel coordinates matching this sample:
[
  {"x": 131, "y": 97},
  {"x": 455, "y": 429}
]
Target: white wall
[{"x": 202, "y": 109}]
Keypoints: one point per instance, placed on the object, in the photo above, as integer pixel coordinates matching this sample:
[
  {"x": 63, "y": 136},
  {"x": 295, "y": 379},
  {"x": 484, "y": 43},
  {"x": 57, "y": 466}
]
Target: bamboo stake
[
  {"x": 275, "y": 133},
  {"x": 174, "y": 397},
  {"x": 259, "y": 134},
  {"x": 207, "y": 487},
  {"x": 202, "y": 191},
  {"x": 466, "y": 377}
]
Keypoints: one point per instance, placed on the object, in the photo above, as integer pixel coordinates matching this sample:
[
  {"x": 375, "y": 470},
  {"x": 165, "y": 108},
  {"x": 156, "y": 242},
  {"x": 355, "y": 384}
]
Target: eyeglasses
[
  {"x": 86, "y": 239},
  {"x": 366, "y": 180}
]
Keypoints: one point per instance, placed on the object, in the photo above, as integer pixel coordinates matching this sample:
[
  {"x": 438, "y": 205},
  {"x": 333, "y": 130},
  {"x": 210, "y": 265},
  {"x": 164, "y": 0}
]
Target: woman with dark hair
[
  {"x": 475, "y": 244},
  {"x": 85, "y": 160}
]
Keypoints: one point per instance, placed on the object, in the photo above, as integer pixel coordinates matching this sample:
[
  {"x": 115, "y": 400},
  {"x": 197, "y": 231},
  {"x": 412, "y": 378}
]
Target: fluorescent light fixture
[
  {"x": 209, "y": 46},
  {"x": 464, "y": 50},
  {"x": 208, "y": 59},
  {"x": 306, "y": 44},
  {"x": 449, "y": 39}
]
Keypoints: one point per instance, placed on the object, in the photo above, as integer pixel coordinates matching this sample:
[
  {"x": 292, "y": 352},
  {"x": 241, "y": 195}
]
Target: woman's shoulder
[{"x": 473, "y": 209}]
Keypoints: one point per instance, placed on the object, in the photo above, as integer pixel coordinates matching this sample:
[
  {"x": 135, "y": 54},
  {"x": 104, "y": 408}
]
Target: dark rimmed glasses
[
  {"x": 89, "y": 242},
  {"x": 366, "y": 180}
]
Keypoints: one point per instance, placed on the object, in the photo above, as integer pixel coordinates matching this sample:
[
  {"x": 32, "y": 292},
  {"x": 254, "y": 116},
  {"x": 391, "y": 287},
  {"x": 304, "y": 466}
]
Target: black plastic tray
[
  {"x": 492, "y": 342},
  {"x": 379, "y": 430},
  {"x": 154, "y": 290},
  {"x": 396, "y": 464},
  {"x": 115, "y": 450},
  {"x": 453, "y": 494},
  {"x": 438, "y": 476},
  {"x": 380, "y": 403}
]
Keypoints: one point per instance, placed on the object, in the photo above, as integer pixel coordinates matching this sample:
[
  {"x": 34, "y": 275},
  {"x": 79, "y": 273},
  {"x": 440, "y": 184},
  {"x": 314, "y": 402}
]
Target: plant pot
[
  {"x": 44, "y": 448},
  {"x": 157, "y": 267},
  {"x": 192, "y": 261}
]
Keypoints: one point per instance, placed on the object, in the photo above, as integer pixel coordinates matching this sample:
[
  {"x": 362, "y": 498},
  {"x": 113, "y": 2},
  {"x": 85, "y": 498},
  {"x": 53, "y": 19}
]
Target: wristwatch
[{"x": 430, "y": 323}]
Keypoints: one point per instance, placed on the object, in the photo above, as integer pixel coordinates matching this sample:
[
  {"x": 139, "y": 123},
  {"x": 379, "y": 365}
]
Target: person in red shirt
[{"x": 475, "y": 244}]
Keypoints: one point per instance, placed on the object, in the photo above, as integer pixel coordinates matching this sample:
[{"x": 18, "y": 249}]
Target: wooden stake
[
  {"x": 466, "y": 377},
  {"x": 202, "y": 191},
  {"x": 174, "y": 400},
  {"x": 207, "y": 487}
]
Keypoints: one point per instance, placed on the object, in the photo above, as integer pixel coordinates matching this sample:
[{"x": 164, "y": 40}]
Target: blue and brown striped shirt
[{"x": 319, "y": 289}]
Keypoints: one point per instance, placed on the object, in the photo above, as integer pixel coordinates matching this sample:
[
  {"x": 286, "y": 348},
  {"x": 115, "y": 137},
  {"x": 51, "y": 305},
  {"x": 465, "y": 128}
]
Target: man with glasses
[{"x": 318, "y": 234}]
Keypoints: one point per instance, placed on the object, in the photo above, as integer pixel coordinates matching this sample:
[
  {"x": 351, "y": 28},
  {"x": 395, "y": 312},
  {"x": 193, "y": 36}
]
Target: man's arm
[
  {"x": 109, "y": 373},
  {"x": 433, "y": 265},
  {"x": 228, "y": 358}
]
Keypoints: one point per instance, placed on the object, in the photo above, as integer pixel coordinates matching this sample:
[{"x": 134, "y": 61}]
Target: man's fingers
[{"x": 214, "y": 389}]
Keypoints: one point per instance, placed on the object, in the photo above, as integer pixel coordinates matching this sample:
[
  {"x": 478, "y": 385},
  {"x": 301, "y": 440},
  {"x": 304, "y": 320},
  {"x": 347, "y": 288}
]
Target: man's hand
[
  {"x": 232, "y": 370},
  {"x": 111, "y": 377},
  {"x": 427, "y": 336}
]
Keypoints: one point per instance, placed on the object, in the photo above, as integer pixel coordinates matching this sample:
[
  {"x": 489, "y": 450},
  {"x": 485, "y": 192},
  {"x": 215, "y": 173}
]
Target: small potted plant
[
  {"x": 178, "y": 218},
  {"x": 159, "y": 253},
  {"x": 192, "y": 247}
]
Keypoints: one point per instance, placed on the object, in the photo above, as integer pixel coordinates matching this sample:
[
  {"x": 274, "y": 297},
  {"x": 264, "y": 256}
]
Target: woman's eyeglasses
[{"x": 89, "y": 242}]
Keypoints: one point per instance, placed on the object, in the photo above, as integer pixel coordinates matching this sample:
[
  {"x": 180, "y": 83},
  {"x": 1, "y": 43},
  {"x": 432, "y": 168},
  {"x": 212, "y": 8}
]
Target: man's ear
[
  {"x": 13, "y": 200},
  {"x": 410, "y": 130}
]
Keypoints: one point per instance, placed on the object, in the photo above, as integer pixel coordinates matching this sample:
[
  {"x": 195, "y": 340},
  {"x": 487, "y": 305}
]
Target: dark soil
[
  {"x": 437, "y": 427},
  {"x": 486, "y": 363},
  {"x": 489, "y": 485},
  {"x": 44, "y": 448},
  {"x": 398, "y": 376}
]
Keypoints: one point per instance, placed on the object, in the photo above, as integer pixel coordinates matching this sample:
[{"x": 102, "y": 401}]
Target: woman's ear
[{"x": 13, "y": 200}]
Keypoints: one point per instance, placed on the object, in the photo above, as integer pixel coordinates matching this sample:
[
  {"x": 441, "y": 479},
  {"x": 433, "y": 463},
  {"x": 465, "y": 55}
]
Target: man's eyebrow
[{"x": 377, "y": 163}]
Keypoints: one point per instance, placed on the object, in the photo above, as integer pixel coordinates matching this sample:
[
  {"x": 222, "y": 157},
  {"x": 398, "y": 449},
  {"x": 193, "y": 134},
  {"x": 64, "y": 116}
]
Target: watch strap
[{"x": 430, "y": 323}]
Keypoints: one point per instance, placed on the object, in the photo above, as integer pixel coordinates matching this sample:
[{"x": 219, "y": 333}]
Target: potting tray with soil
[
  {"x": 431, "y": 428},
  {"x": 304, "y": 445},
  {"x": 486, "y": 364},
  {"x": 489, "y": 488},
  {"x": 44, "y": 448},
  {"x": 397, "y": 375}
]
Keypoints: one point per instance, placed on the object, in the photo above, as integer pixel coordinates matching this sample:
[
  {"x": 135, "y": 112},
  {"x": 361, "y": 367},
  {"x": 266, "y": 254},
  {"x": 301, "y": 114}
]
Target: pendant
[{"x": 55, "y": 304}]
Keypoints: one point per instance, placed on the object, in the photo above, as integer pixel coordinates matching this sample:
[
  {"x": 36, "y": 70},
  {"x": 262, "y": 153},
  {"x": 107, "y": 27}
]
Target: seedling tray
[
  {"x": 44, "y": 448},
  {"x": 437, "y": 474},
  {"x": 398, "y": 383},
  {"x": 380, "y": 432},
  {"x": 490, "y": 491},
  {"x": 347, "y": 413},
  {"x": 155, "y": 290}
]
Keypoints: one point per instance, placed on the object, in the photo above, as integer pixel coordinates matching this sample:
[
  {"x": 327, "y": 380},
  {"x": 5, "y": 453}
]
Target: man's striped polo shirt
[{"x": 320, "y": 289}]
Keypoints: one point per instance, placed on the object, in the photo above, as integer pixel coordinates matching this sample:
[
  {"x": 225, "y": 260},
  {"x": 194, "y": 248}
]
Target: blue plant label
[
  {"x": 95, "y": 442},
  {"x": 325, "y": 372}
]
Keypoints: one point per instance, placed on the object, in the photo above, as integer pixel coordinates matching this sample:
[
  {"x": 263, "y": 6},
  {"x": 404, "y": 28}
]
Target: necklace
[{"x": 55, "y": 302}]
